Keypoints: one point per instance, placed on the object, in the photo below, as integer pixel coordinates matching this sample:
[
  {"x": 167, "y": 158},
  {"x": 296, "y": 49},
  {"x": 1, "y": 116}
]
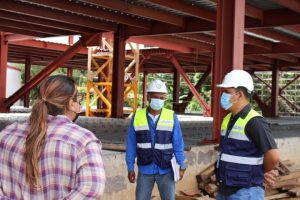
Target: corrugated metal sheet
[
  {"x": 287, "y": 32},
  {"x": 264, "y": 4}
]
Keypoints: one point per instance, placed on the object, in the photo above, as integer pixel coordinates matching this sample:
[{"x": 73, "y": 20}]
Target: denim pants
[
  {"x": 253, "y": 193},
  {"x": 165, "y": 184}
]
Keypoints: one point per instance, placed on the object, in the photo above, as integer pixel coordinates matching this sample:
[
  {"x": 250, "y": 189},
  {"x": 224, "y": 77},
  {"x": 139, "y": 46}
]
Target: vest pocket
[{"x": 238, "y": 175}]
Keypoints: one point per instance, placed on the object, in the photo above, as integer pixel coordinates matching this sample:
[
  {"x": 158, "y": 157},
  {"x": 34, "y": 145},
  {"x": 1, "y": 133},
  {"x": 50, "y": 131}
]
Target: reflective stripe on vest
[
  {"x": 144, "y": 145},
  {"x": 242, "y": 160},
  {"x": 163, "y": 146}
]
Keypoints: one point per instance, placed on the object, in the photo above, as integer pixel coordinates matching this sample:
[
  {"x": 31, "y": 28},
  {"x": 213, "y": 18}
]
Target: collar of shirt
[
  {"x": 243, "y": 113},
  {"x": 154, "y": 118},
  {"x": 58, "y": 118}
]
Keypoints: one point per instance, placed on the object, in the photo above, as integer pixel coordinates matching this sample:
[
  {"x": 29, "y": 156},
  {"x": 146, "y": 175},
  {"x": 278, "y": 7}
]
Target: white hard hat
[
  {"x": 157, "y": 86},
  {"x": 238, "y": 78}
]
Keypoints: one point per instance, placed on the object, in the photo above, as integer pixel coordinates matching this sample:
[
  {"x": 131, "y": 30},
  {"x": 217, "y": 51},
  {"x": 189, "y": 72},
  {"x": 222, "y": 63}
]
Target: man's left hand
[
  {"x": 270, "y": 177},
  {"x": 181, "y": 173}
]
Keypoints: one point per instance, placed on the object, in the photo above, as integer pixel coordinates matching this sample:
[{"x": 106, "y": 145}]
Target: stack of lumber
[
  {"x": 207, "y": 183},
  {"x": 207, "y": 186},
  {"x": 287, "y": 184}
]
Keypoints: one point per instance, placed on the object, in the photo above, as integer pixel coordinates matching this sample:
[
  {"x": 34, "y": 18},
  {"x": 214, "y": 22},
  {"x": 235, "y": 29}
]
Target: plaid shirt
[{"x": 70, "y": 166}]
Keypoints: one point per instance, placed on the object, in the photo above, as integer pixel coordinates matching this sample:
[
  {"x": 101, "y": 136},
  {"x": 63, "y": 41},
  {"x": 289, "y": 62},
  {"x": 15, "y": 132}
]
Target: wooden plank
[
  {"x": 284, "y": 169},
  {"x": 271, "y": 191},
  {"x": 286, "y": 183},
  {"x": 292, "y": 175},
  {"x": 295, "y": 191},
  {"x": 211, "y": 188},
  {"x": 277, "y": 196}
]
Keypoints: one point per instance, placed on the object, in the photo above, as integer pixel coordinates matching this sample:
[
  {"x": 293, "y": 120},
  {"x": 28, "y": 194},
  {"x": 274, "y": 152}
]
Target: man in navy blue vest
[
  {"x": 248, "y": 153},
  {"x": 154, "y": 137}
]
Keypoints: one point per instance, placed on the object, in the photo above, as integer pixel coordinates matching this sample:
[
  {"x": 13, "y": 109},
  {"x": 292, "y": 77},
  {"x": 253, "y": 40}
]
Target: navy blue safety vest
[
  {"x": 240, "y": 162},
  {"x": 162, "y": 150}
]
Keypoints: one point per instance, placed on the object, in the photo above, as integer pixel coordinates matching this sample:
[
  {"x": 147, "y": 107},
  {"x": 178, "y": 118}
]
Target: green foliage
[
  {"x": 78, "y": 75},
  {"x": 193, "y": 105}
]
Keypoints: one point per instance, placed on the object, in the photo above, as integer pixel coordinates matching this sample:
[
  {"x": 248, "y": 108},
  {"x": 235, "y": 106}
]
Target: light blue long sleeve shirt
[{"x": 178, "y": 148}]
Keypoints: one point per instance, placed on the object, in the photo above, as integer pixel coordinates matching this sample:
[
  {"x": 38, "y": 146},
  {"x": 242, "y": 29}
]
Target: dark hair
[
  {"x": 53, "y": 97},
  {"x": 245, "y": 91}
]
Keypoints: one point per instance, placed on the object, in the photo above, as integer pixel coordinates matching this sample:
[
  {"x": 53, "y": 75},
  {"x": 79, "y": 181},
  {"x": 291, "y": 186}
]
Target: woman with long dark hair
[{"x": 50, "y": 157}]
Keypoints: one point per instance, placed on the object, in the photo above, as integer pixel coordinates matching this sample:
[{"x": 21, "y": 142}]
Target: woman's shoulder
[
  {"x": 17, "y": 129},
  {"x": 72, "y": 133}
]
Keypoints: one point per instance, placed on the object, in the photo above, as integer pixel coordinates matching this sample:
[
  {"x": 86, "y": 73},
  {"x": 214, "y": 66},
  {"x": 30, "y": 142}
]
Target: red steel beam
[
  {"x": 95, "y": 12},
  {"x": 140, "y": 11},
  {"x": 287, "y": 17},
  {"x": 118, "y": 73},
  {"x": 229, "y": 51},
  {"x": 25, "y": 32},
  {"x": 3, "y": 70},
  {"x": 69, "y": 72},
  {"x": 61, "y": 16},
  {"x": 27, "y": 78},
  {"x": 278, "y": 48},
  {"x": 155, "y": 42},
  {"x": 296, "y": 78},
  {"x": 32, "y": 27},
  {"x": 68, "y": 54},
  {"x": 145, "y": 80},
  {"x": 47, "y": 45},
  {"x": 188, "y": 43},
  {"x": 176, "y": 86},
  {"x": 293, "y": 28},
  {"x": 45, "y": 22},
  {"x": 291, "y": 104},
  {"x": 263, "y": 106},
  {"x": 199, "y": 37},
  {"x": 285, "y": 57},
  {"x": 187, "y": 8},
  {"x": 275, "y": 92},
  {"x": 290, "y": 4},
  {"x": 18, "y": 37},
  {"x": 205, "y": 106},
  {"x": 197, "y": 86},
  {"x": 261, "y": 58},
  {"x": 276, "y": 36}
]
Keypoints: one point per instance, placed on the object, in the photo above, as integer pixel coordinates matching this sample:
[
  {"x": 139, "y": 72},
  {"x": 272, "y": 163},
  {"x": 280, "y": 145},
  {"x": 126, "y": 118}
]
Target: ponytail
[{"x": 35, "y": 141}]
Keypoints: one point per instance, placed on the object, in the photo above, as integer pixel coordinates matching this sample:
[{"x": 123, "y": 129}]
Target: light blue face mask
[
  {"x": 156, "y": 104},
  {"x": 225, "y": 101}
]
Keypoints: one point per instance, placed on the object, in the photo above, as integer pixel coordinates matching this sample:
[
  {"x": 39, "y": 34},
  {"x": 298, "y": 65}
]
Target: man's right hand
[{"x": 131, "y": 176}]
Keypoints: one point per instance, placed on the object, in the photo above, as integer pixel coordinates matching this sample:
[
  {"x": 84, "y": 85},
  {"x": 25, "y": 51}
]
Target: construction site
[{"x": 114, "y": 49}]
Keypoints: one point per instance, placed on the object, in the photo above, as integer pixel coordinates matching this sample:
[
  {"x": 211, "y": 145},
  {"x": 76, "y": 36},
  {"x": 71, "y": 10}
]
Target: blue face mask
[
  {"x": 156, "y": 104},
  {"x": 225, "y": 101}
]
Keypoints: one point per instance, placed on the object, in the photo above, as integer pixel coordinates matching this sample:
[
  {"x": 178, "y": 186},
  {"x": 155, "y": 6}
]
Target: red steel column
[
  {"x": 3, "y": 71},
  {"x": 176, "y": 86},
  {"x": 27, "y": 78},
  {"x": 229, "y": 51},
  {"x": 118, "y": 73},
  {"x": 275, "y": 92},
  {"x": 69, "y": 72},
  {"x": 199, "y": 98},
  {"x": 145, "y": 78}
]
